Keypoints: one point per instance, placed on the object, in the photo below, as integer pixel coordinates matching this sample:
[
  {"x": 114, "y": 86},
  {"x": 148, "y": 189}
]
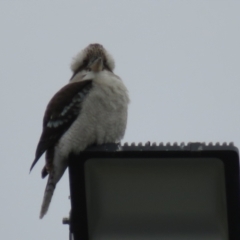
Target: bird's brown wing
[{"x": 61, "y": 112}]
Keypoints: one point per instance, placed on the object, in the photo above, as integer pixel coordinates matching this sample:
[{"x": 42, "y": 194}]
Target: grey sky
[{"x": 179, "y": 60}]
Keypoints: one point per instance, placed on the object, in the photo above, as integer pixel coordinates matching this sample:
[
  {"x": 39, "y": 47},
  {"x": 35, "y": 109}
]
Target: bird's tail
[
  {"x": 54, "y": 177},
  {"x": 51, "y": 184}
]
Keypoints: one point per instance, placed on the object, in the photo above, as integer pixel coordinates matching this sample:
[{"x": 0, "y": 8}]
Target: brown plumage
[{"x": 50, "y": 135}]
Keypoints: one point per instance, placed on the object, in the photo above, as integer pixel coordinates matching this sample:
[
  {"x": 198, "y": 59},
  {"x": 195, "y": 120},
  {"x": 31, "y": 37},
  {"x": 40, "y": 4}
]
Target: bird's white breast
[{"x": 103, "y": 117}]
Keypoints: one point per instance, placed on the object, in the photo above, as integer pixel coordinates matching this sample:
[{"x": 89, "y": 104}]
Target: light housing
[{"x": 155, "y": 192}]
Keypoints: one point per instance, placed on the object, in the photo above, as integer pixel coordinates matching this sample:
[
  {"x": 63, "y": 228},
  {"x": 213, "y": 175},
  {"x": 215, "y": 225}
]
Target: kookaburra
[{"x": 90, "y": 109}]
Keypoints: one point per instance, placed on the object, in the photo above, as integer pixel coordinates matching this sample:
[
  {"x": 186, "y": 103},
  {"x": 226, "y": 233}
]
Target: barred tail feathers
[
  {"x": 51, "y": 184},
  {"x": 54, "y": 176}
]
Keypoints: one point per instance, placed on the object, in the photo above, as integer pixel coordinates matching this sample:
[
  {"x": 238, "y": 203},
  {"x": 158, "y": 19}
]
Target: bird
[{"x": 92, "y": 108}]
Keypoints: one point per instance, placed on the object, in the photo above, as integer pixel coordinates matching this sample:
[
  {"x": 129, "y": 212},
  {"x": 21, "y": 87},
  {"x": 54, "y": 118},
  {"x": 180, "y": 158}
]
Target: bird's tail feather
[
  {"x": 51, "y": 184},
  {"x": 54, "y": 176}
]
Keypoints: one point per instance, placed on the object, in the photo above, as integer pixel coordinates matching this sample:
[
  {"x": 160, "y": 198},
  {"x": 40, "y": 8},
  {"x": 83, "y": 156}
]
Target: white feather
[
  {"x": 103, "y": 116},
  {"x": 79, "y": 58}
]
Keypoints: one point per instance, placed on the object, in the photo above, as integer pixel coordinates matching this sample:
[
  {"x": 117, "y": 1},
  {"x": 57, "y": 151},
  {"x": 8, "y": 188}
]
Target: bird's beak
[{"x": 96, "y": 65}]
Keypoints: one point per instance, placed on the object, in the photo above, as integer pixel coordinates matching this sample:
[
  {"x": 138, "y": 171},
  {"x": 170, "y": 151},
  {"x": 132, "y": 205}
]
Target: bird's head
[{"x": 94, "y": 57}]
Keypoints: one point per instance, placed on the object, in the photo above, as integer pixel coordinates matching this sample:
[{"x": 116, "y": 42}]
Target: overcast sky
[{"x": 179, "y": 60}]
